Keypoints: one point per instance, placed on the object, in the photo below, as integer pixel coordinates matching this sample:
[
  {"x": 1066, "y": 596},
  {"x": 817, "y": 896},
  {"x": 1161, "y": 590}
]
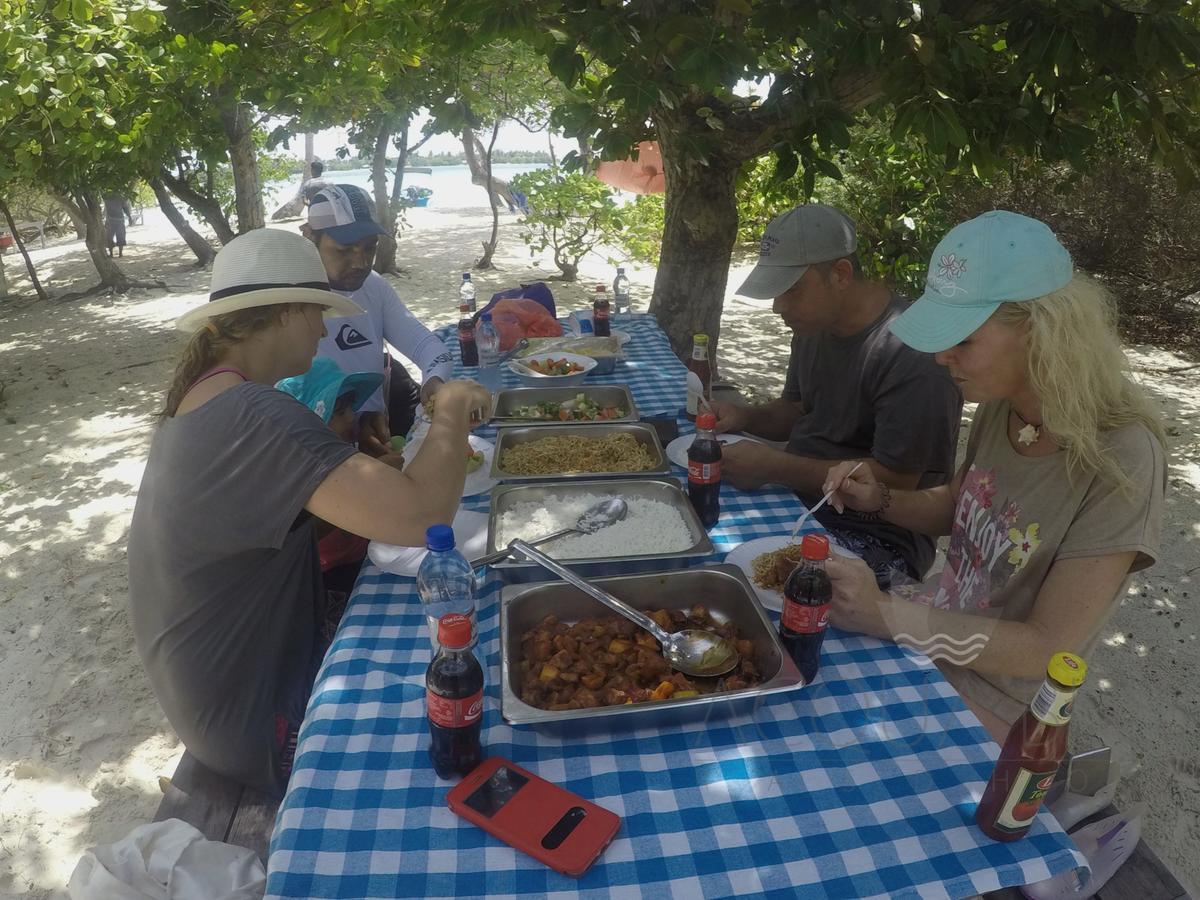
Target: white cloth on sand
[{"x": 168, "y": 860}]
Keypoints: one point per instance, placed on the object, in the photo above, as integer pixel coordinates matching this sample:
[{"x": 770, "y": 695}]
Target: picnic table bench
[{"x": 224, "y": 810}]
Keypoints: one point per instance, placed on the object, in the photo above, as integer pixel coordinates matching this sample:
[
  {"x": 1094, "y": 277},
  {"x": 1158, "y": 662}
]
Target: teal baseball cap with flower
[
  {"x": 320, "y": 387},
  {"x": 995, "y": 258}
]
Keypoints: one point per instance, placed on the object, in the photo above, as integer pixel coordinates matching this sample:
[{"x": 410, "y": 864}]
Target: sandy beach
[{"x": 85, "y": 744}]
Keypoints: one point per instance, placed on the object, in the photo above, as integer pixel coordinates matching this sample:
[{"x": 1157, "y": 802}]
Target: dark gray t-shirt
[
  {"x": 872, "y": 395},
  {"x": 224, "y": 577}
]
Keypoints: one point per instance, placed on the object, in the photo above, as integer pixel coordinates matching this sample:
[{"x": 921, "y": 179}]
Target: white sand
[{"x": 84, "y": 743}]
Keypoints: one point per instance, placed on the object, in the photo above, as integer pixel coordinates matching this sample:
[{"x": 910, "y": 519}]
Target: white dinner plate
[
  {"x": 479, "y": 481},
  {"x": 470, "y": 539},
  {"x": 677, "y": 450},
  {"x": 743, "y": 556}
]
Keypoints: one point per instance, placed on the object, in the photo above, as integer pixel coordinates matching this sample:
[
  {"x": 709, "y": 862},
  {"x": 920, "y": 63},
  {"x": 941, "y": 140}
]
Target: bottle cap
[
  {"x": 466, "y": 276},
  {"x": 439, "y": 537},
  {"x": 815, "y": 547},
  {"x": 1067, "y": 669},
  {"x": 620, "y": 270},
  {"x": 701, "y": 338},
  {"x": 454, "y": 630},
  {"x": 706, "y": 421},
  {"x": 600, "y": 288}
]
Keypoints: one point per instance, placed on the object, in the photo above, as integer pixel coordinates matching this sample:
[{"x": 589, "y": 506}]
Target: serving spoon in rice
[
  {"x": 597, "y": 516},
  {"x": 693, "y": 651}
]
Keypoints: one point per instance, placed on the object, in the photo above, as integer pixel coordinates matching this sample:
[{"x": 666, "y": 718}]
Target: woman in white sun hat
[
  {"x": 224, "y": 580},
  {"x": 1060, "y": 495}
]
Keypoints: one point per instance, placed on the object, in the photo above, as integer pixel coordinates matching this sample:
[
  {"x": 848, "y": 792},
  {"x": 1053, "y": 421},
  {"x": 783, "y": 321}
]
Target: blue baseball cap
[
  {"x": 995, "y": 258},
  {"x": 320, "y": 387},
  {"x": 344, "y": 212}
]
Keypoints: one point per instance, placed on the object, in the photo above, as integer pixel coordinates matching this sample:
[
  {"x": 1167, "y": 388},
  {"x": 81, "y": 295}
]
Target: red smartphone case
[{"x": 549, "y": 823}]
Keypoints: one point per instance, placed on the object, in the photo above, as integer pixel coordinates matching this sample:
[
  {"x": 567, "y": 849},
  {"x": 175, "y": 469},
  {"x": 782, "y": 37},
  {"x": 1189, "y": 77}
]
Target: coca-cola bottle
[
  {"x": 454, "y": 700},
  {"x": 467, "y": 347},
  {"x": 601, "y": 322},
  {"x": 704, "y": 471},
  {"x": 807, "y": 594},
  {"x": 1031, "y": 754}
]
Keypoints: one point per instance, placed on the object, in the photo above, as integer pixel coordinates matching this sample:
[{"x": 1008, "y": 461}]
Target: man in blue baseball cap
[
  {"x": 853, "y": 390},
  {"x": 341, "y": 222}
]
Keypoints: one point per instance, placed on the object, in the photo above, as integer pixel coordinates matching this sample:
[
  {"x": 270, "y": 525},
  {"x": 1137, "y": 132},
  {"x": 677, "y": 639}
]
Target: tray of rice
[
  {"x": 578, "y": 452},
  {"x": 659, "y": 530}
]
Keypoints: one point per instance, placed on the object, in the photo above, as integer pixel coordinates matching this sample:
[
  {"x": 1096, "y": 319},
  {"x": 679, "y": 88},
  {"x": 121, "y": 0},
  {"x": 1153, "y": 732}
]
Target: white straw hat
[{"x": 265, "y": 267}]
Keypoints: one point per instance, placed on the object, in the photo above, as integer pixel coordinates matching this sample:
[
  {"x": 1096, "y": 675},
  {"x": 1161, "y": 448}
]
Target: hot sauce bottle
[{"x": 1031, "y": 754}]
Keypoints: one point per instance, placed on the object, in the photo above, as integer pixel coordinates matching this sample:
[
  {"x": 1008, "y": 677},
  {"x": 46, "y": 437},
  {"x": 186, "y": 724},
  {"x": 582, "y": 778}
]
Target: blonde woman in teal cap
[{"x": 1059, "y": 498}]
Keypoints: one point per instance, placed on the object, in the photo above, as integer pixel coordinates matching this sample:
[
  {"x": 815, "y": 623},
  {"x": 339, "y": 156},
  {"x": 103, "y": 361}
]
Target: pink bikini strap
[{"x": 208, "y": 375}]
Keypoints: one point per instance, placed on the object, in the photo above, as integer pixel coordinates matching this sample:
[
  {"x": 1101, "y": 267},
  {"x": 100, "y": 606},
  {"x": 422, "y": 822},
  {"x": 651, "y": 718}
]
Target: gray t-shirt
[
  {"x": 872, "y": 395},
  {"x": 224, "y": 577}
]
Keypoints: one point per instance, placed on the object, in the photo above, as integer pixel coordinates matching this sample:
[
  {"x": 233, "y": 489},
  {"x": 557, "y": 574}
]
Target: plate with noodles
[{"x": 765, "y": 563}]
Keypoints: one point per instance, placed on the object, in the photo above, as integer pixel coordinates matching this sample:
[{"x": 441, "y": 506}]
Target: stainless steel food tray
[
  {"x": 722, "y": 588},
  {"x": 601, "y": 394},
  {"x": 507, "y": 437},
  {"x": 665, "y": 490}
]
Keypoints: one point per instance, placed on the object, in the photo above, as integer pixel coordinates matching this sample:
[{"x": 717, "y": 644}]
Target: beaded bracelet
[{"x": 876, "y": 515}]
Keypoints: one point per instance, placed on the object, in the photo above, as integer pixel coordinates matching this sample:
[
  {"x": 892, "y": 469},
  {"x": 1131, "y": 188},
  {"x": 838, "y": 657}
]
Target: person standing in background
[{"x": 116, "y": 211}]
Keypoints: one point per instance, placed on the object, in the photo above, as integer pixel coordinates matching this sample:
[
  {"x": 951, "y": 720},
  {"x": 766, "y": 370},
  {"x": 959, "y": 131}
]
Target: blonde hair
[
  {"x": 1079, "y": 371},
  {"x": 211, "y": 342}
]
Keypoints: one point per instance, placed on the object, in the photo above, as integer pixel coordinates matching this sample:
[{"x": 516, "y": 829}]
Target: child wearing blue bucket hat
[{"x": 1059, "y": 498}]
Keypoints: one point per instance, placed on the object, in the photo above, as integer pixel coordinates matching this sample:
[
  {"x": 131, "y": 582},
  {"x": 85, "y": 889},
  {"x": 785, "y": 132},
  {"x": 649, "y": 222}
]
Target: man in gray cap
[
  {"x": 341, "y": 222},
  {"x": 853, "y": 390}
]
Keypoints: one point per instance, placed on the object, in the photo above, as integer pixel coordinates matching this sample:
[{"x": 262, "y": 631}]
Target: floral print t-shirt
[{"x": 1015, "y": 515}]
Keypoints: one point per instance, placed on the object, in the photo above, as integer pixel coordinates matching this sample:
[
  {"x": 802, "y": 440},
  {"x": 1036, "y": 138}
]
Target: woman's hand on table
[
  {"x": 853, "y": 488},
  {"x": 858, "y": 603}
]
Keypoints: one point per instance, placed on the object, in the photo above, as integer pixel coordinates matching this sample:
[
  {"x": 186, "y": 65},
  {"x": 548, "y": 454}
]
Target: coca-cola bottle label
[
  {"x": 466, "y": 333},
  {"x": 453, "y": 712},
  {"x": 704, "y": 472},
  {"x": 1024, "y": 799},
  {"x": 804, "y": 619}
]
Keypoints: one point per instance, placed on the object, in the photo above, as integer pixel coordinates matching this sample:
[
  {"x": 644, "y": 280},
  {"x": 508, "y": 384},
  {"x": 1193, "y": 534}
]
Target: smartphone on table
[{"x": 554, "y": 826}]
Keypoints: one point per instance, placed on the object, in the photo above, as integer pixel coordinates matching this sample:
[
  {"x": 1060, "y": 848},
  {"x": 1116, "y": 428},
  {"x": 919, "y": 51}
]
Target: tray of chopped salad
[{"x": 565, "y": 405}]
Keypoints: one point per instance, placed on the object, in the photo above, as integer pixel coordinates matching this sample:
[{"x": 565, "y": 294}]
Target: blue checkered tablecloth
[{"x": 863, "y": 784}]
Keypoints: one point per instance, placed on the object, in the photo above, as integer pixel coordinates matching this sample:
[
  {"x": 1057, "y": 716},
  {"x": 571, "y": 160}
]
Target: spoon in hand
[{"x": 804, "y": 518}]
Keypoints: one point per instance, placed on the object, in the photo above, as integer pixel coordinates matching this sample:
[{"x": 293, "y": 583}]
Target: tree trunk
[
  {"x": 97, "y": 243},
  {"x": 308, "y": 156},
  {"x": 698, "y": 237},
  {"x": 238, "y": 124},
  {"x": 3, "y": 280},
  {"x": 489, "y": 248},
  {"x": 385, "y": 256},
  {"x": 78, "y": 222},
  {"x": 473, "y": 150},
  {"x": 203, "y": 250},
  {"x": 12, "y": 228},
  {"x": 207, "y": 206}
]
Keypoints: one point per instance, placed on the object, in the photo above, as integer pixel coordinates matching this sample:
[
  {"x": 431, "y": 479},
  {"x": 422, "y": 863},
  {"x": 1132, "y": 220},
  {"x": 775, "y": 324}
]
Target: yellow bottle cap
[{"x": 1067, "y": 669}]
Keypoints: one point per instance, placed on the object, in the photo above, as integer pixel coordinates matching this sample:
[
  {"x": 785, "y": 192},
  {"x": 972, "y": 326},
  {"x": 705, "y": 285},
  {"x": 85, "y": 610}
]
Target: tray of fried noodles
[{"x": 530, "y": 453}]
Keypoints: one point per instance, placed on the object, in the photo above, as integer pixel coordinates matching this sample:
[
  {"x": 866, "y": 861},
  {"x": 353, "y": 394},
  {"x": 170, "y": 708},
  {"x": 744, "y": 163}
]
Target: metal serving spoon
[
  {"x": 595, "y": 517},
  {"x": 693, "y": 651},
  {"x": 516, "y": 348}
]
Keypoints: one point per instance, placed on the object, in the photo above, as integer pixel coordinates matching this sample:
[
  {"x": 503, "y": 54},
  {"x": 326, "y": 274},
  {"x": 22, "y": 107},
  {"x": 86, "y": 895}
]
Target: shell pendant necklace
[{"x": 1029, "y": 434}]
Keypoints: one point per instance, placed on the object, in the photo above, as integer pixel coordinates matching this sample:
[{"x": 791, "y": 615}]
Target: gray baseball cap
[{"x": 813, "y": 233}]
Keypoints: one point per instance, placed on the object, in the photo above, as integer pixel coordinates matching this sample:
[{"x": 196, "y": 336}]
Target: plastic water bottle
[
  {"x": 466, "y": 292},
  {"x": 621, "y": 301},
  {"x": 487, "y": 339},
  {"x": 445, "y": 582}
]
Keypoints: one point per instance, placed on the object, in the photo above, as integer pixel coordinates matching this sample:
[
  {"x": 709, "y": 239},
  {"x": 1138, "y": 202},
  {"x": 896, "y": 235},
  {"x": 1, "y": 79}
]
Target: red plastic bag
[{"x": 521, "y": 318}]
